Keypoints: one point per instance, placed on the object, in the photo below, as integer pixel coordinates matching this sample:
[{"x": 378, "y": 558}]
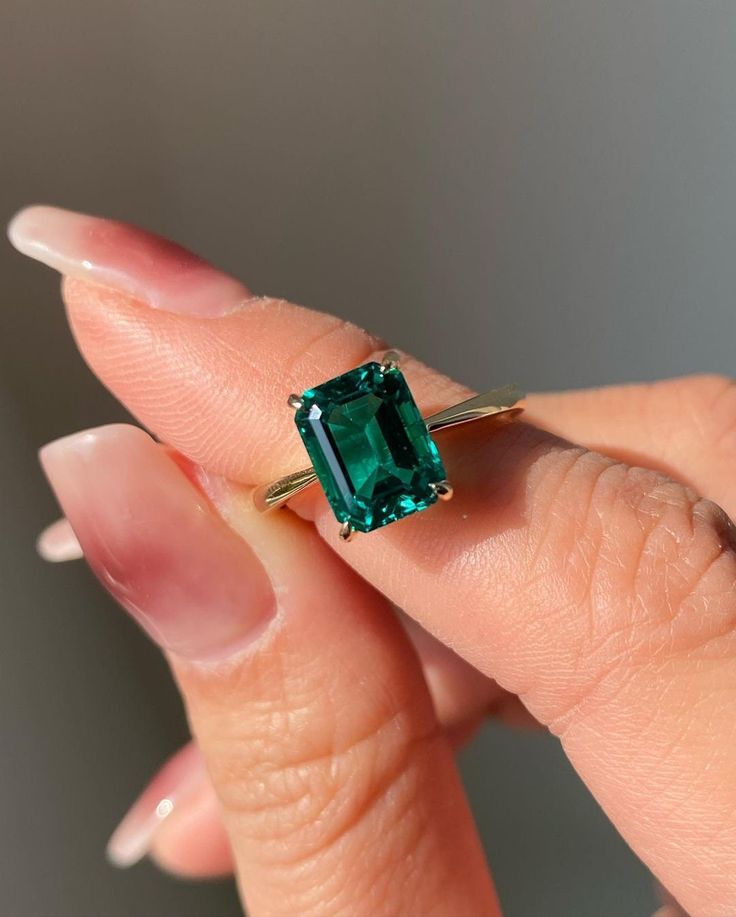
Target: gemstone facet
[{"x": 369, "y": 446}]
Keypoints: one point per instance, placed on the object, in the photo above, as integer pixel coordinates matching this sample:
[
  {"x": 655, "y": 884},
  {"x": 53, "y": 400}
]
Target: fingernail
[
  {"x": 178, "y": 783},
  {"x": 157, "y": 544},
  {"x": 57, "y": 543},
  {"x": 158, "y": 272}
]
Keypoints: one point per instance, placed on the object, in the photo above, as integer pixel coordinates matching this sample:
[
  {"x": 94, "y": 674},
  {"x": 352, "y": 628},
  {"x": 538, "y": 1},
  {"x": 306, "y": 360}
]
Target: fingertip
[
  {"x": 193, "y": 842},
  {"x": 176, "y": 822},
  {"x": 57, "y": 543}
]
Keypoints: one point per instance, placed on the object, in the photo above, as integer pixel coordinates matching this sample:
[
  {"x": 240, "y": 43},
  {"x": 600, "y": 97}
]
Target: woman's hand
[{"x": 597, "y": 586}]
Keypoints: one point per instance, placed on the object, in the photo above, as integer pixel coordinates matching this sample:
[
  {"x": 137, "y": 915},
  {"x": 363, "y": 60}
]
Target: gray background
[{"x": 542, "y": 191}]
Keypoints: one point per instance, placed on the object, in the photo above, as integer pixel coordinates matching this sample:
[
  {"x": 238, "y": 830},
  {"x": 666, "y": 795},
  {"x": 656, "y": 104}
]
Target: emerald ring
[{"x": 371, "y": 449}]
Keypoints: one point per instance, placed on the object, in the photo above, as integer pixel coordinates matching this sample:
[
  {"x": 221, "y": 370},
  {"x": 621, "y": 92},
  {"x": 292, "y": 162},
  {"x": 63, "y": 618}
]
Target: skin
[{"x": 594, "y": 582}]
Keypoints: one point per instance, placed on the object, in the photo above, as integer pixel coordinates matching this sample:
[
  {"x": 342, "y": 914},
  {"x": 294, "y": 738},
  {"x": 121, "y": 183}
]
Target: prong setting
[
  {"x": 295, "y": 401},
  {"x": 347, "y": 532},
  {"x": 391, "y": 360},
  {"x": 444, "y": 490}
]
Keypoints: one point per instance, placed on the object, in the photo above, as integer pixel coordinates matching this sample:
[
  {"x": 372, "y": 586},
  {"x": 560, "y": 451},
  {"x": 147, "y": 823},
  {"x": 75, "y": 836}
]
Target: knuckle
[
  {"x": 650, "y": 573},
  {"x": 680, "y": 552},
  {"x": 308, "y": 791},
  {"x": 328, "y": 341},
  {"x": 687, "y": 574}
]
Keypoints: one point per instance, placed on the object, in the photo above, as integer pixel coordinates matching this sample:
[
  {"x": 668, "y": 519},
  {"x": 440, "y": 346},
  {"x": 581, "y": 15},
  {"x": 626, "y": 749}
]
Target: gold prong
[
  {"x": 391, "y": 360},
  {"x": 295, "y": 401},
  {"x": 347, "y": 532},
  {"x": 504, "y": 402},
  {"x": 444, "y": 490},
  {"x": 278, "y": 493}
]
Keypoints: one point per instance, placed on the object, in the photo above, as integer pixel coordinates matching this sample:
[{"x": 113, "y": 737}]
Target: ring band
[{"x": 372, "y": 450}]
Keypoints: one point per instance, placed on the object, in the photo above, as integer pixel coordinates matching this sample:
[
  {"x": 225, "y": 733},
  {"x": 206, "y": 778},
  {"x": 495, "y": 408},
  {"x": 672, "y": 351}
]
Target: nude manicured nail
[
  {"x": 57, "y": 543},
  {"x": 156, "y": 543},
  {"x": 177, "y": 784},
  {"x": 160, "y": 273}
]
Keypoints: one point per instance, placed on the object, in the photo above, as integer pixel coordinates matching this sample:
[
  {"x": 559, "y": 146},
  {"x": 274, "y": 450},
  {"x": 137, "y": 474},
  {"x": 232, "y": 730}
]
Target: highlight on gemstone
[{"x": 370, "y": 446}]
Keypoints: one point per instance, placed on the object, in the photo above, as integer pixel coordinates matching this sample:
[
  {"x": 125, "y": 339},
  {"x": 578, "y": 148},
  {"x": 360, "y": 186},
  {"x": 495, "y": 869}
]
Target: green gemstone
[{"x": 370, "y": 447}]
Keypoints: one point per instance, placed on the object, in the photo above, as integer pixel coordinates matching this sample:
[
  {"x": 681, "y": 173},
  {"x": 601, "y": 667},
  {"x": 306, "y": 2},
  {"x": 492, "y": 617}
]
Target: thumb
[{"x": 339, "y": 790}]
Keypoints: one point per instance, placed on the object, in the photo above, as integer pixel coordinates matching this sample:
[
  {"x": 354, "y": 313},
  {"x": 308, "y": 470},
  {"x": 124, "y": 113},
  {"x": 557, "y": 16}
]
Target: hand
[{"x": 596, "y": 586}]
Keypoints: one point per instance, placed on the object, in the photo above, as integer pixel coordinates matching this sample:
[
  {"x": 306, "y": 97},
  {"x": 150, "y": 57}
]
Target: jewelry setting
[{"x": 371, "y": 449}]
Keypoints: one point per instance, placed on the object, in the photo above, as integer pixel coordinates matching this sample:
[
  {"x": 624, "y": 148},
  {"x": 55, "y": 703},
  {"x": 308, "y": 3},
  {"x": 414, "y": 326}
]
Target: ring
[{"x": 371, "y": 449}]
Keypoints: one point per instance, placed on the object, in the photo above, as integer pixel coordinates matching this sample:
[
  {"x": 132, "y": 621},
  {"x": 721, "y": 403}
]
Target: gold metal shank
[
  {"x": 503, "y": 403},
  {"x": 502, "y": 400},
  {"x": 270, "y": 496}
]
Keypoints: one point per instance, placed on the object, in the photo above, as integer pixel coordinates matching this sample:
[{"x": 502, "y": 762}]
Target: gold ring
[{"x": 371, "y": 449}]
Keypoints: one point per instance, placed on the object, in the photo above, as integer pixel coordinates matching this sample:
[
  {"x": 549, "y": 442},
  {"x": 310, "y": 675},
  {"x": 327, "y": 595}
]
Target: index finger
[{"x": 602, "y": 594}]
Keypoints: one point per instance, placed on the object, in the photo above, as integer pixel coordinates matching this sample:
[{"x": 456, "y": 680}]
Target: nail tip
[
  {"x": 120, "y": 859},
  {"x": 14, "y": 230},
  {"x": 63, "y": 446},
  {"x": 55, "y": 549},
  {"x": 43, "y": 550},
  {"x": 85, "y": 440},
  {"x": 18, "y": 223},
  {"x": 37, "y": 230}
]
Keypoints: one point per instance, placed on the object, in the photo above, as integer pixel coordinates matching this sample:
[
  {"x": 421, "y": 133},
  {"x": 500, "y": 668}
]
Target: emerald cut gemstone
[{"x": 369, "y": 446}]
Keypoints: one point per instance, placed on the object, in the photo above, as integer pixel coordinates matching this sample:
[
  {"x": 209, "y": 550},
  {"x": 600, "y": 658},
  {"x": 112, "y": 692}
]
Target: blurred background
[{"x": 511, "y": 189}]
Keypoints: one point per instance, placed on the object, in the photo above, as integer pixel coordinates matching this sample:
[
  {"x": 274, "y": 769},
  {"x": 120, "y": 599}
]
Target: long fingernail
[
  {"x": 158, "y": 272},
  {"x": 57, "y": 543},
  {"x": 157, "y": 545},
  {"x": 178, "y": 782}
]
